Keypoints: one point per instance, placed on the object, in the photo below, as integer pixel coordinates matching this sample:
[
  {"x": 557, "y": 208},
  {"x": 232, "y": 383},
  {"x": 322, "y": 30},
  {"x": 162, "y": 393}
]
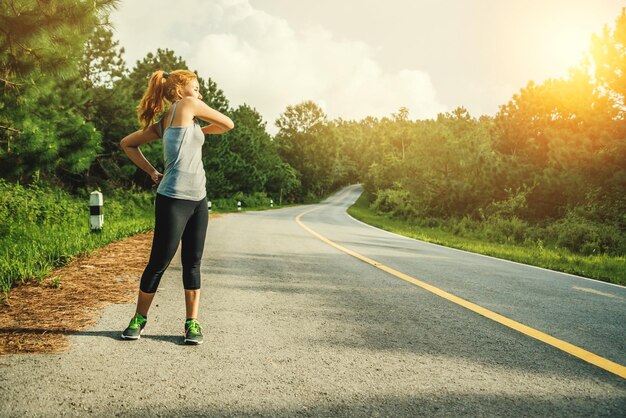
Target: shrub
[
  {"x": 255, "y": 200},
  {"x": 429, "y": 222},
  {"x": 506, "y": 230},
  {"x": 466, "y": 227},
  {"x": 587, "y": 237},
  {"x": 394, "y": 202},
  {"x": 513, "y": 205}
]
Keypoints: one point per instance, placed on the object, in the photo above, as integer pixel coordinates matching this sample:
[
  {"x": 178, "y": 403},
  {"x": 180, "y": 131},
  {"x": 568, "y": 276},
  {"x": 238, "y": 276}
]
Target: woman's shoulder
[{"x": 188, "y": 102}]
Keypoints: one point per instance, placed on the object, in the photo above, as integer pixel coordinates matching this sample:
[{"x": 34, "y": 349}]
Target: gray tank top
[{"x": 183, "y": 177}]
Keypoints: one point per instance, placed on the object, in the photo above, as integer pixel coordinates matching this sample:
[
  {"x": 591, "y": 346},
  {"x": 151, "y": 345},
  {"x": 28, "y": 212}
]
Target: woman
[{"x": 181, "y": 212}]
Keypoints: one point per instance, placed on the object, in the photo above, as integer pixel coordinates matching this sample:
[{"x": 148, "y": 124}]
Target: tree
[
  {"x": 41, "y": 127},
  {"x": 608, "y": 52},
  {"x": 245, "y": 159},
  {"x": 54, "y": 138},
  {"x": 236, "y": 154},
  {"x": 565, "y": 137},
  {"x": 309, "y": 144},
  {"x": 109, "y": 108},
  {"x": 45, "y": 36},
  {"x": 102, "y": 61}
]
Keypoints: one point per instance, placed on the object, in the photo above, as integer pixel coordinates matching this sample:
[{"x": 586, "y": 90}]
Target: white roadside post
[
  {"x": 96, "y": 218},
  {"x": 271, "y": 203},
  {"x": 209, "y": 204},
  {"x": 239, "y": 205}
]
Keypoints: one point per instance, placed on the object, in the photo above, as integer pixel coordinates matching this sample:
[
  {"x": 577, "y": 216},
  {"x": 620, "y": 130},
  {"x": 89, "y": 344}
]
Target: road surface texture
[{"x": 295, "y": 327}]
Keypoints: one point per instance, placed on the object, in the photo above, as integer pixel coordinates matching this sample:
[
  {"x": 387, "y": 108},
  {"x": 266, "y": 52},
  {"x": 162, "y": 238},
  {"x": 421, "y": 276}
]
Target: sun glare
[{"x": 567, "y": 45}]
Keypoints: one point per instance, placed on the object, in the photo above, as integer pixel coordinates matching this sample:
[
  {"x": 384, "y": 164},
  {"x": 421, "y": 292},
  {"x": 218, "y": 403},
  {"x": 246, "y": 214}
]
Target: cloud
[{"x": 259, "y": 59}]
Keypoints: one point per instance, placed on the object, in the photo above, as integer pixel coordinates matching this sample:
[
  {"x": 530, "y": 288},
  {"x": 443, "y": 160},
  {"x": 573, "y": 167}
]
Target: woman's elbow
[
  {"x": 125, "y": 144},
  {"x": 228, "y": 125},
  {"x": 223, "y": 127},
  {"x": 131, "y": 140}
]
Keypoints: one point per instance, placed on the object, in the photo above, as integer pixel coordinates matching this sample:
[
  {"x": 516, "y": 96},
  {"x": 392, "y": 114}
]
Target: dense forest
[{"x": 550, "y": 165}]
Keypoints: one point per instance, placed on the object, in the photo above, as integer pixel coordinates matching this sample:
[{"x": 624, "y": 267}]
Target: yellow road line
[{"x": 576, "y": 351}]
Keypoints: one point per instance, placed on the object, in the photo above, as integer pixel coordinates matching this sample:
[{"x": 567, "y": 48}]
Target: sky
[{"x": 358, "y": 58}]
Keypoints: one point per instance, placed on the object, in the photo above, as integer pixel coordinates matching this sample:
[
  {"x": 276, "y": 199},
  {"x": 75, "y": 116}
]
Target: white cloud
[{"x": 259, "y": 59}]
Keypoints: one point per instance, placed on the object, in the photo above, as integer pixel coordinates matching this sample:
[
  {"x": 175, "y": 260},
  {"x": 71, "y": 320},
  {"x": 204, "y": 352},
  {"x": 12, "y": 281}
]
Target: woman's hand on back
[
  {"x": 156, "y": 177},
  {"x": 130, "y": 144}
]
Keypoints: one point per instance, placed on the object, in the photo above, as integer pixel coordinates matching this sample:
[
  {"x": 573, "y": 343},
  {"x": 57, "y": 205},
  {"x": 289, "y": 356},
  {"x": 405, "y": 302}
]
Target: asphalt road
[{"x": 295, "y": 327}]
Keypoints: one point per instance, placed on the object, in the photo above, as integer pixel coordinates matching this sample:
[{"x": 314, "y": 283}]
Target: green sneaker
[
  {"x": 135, "y": 328},
  {"x": 193, "y": 332}
]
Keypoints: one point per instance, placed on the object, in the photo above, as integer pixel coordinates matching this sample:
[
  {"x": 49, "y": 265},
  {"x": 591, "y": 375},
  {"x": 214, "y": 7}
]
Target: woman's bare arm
[
  {"x": 213, "y": 129},
  {"x": 130, "y": 144},
  {"x": 220, "y": 123}
]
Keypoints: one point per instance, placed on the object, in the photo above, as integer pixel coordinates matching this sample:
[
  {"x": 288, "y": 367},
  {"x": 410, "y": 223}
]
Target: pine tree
[{"x": 41, "y": 126}]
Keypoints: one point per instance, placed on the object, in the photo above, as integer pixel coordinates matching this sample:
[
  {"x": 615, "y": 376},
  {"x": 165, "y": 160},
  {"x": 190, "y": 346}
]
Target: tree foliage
[
  {"x": 308, "y": 143},
  {"x": 42, "y": 127}
]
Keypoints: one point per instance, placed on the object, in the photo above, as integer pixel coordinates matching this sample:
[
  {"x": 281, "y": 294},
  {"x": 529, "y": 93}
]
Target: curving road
[{"x": 297, "y": 327}]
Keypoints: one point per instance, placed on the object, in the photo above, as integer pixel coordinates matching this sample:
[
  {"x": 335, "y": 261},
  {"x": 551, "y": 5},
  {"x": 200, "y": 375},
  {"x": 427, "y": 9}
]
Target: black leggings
[{"x": 176, "y": 219}]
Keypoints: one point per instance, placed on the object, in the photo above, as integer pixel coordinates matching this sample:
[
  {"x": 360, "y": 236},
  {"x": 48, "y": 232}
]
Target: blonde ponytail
[
  {"x": 151, "y": 103},
  {"x": 161, "y": 87}
]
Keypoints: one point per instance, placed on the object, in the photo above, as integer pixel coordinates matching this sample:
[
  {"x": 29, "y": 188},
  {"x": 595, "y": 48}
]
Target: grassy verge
[
  {"x": 42, "y": 228},
  {"x": 602, "y": 267}
]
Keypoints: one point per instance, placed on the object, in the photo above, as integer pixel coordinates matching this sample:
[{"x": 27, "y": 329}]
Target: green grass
[
  {"x": 611, "y": 269},
  {"x": 42, "y": 228}
]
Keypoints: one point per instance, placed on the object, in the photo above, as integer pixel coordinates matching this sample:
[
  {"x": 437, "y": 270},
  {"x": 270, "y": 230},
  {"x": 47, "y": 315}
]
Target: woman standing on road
[{"x": 181, "y": 211}]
